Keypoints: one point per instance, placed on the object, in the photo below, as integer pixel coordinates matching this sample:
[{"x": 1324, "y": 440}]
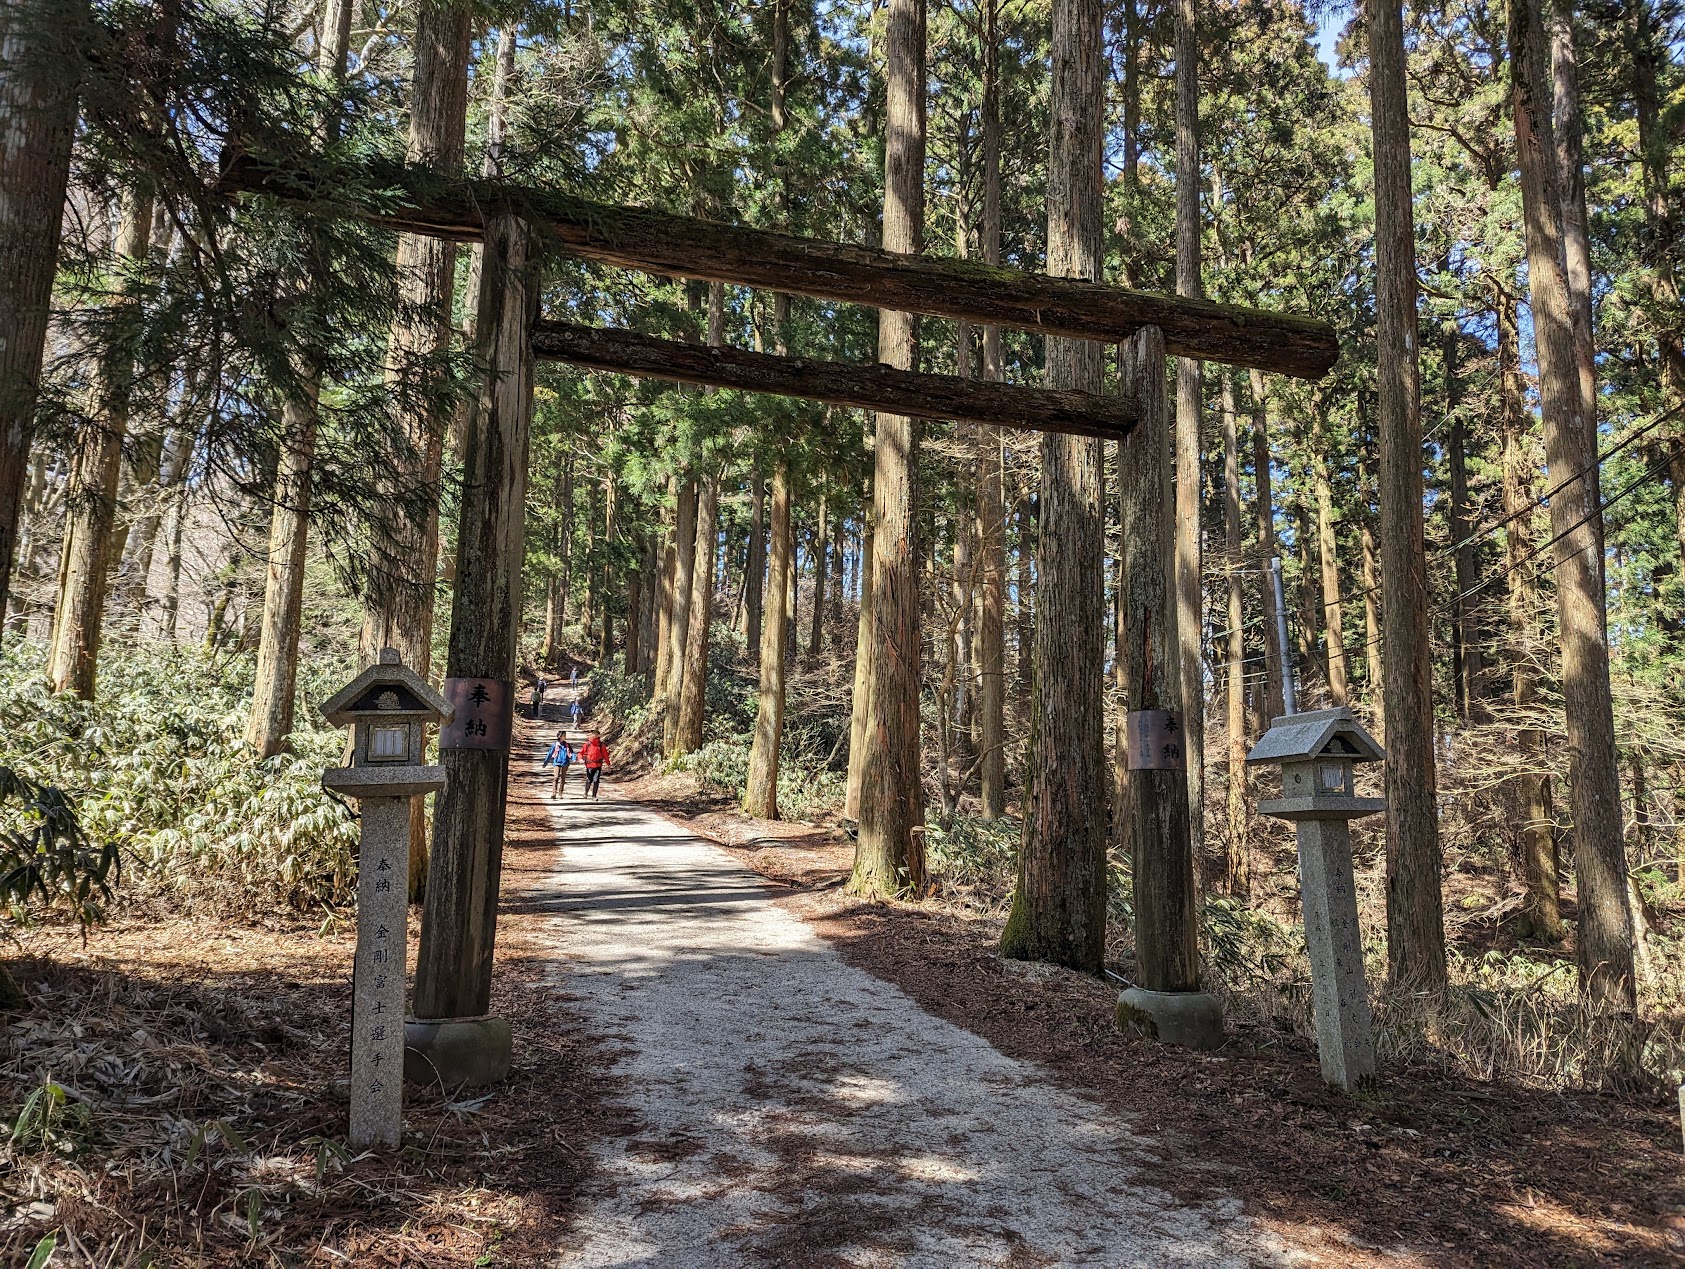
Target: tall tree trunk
[
  {"x": 1373, "y": 674},
  {"x": 1605, "y": 941},
  {"x": 404, "y": 541},
  {"x": 453, "y": 966},
  {"x": 1160, "y": 831},
  {"x": 556, "y": 583},
  {"x": 274, "y": 687},
  {"x": 169, "y": 602},
  {"x": 634, "y": 618},
  {"x": 1059, "y": 905},
  {"x": 693, "y": 683},
  {"x": 889, "y": 852},
  {"x": 684, "y": 582},
  {"x": 1327, "y": 556},
  {"x": 40, "y": 78},
  {"x": 1465, "y": 647},
  {"x": 1541, "y": 912},
  {"x": 603, "y": 576},
  {"x": 1273, "y": 698},
  {"x": 821, "y": 561},
  {"x": 862, "y": 679},
  {"x": 404, "y": 546},
  {"x": 693, "y": 690},
  {"x": 1415, "y": 906},
  {"x": 761, "y": 795},
  {"x": 1576, "y": 234},
  {"x": 1189, "y": 408},
  {"x": 991, "y": 508},
  {"x": 754, "y": 570},
  {"x": 1237, "y": 874},
  {"x": 90, "y": 530},
  {"x": 1647, "y": 54}
]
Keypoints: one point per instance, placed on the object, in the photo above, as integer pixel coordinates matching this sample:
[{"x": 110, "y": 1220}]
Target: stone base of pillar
[
  {"x": 456, "y": 1051},
  {"x": 1192, "y": 1019}
]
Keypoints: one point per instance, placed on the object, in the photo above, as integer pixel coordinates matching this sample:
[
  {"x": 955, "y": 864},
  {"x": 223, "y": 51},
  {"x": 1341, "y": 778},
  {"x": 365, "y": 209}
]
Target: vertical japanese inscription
[
  {"x": 377, "y": 1018},
  {"x": 484, "y": 714}
]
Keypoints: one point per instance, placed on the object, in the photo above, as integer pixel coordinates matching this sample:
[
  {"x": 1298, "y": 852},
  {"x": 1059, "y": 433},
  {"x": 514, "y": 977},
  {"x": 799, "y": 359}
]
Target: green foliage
[
  {"x": 51, "y": 1120},
  {"x": 804, "y": 791},
  {"x": 156, "y": 769},
  {"x": 973, "y": 861},
  {"x": 45, "y": 855}
]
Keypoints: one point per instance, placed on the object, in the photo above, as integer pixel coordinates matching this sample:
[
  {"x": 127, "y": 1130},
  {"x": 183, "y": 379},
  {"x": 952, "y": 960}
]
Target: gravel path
[{"x": 796, "y": 1110}]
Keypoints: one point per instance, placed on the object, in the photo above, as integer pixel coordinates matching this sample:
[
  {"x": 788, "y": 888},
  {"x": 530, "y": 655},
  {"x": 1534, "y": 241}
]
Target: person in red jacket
[{"x": 594, "y": 754}]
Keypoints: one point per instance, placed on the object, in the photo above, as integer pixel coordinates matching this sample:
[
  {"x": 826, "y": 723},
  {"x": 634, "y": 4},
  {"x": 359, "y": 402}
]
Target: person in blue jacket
[{"x": 559, "y": 757}]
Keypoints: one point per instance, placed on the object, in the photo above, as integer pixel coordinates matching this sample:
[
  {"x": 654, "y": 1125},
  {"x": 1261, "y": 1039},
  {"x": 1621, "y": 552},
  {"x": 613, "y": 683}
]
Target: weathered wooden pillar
[
  {"x": 451, "y": 1039},
  {"x": 1167, "y": 1003}
]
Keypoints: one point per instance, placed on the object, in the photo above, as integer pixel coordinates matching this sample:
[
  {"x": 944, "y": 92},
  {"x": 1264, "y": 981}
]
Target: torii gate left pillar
[{"x": 451, "y": 1037}]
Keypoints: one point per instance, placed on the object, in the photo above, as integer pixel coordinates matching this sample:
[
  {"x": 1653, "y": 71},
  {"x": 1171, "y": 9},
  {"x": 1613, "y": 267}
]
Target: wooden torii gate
[{"x": 453, "y": 970}]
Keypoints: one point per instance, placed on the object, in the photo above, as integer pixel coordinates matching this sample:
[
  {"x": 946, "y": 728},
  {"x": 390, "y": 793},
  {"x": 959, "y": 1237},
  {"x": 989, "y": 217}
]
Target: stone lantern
[
  {"x": 1318, "y": 752},
  {"x": 388, "y": 708}
]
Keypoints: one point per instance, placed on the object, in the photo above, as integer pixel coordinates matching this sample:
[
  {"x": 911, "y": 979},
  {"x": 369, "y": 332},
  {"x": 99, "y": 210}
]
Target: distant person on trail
[
  {"x": 577, "y": 710},
  {"x": 538, "y": 690},
  {"x": 559, "y": 757},
  {"x": 573, "y": 677},
  {"x": 594, "y": 754}
]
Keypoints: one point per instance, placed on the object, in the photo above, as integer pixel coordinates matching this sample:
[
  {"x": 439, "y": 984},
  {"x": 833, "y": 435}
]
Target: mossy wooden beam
[
  {"x": 419, "y": 202},
  {"x": 871, "y": 387}
]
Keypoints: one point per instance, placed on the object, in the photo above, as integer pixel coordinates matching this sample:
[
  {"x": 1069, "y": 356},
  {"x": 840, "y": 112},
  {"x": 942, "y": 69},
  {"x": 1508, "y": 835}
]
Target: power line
[{"x": 1488, "y": 530}]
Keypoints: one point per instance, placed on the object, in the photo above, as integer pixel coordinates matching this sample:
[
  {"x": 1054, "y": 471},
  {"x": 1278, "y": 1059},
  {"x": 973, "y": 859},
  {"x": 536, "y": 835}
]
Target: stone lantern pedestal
[
  {"x": 388, "y": 708},
  {"x": 1317, "y": 752}
]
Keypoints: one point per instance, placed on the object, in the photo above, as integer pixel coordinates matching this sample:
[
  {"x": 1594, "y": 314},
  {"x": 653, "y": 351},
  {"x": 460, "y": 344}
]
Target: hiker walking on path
[
  {"x": 559, "y": 757},
  {"x": 594, "y": 754},
  {"x": 578, "y": 709},
  {"x": 538, "y": 690}
]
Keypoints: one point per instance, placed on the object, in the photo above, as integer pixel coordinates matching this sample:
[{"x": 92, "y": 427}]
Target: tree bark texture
[
  {"x": 1339, "y": 674},
  {"x": 889, "y": 852},
  {"x": 1569, "y": 157},
  {"x": 90, "y": 530},
  {"x": 1237, "y": 877},
  {"x": 274, "y": 690},
  {"x": 40, "y": 77},
  {"x": 1415, "y": 906},
  {"x": 1274, "y": 701},
  {"x": 404, "y": 544},
  {"x": 453, "y": 967},
  {"x": 761, "y": 795},
  {"x": 821, "y": 561},
  {"x": 754, "y": 569},
  {"x": 1189, "y": 411},
  {"x": 1605, "y": 938},
  {"x": 1058, "y": 909},
  {"x": 1541, "y": 912},
  {"x": 991, "y": 502},
  {"x": 1160, "y": 834},
  {"x": 862, "y": 677},
  {"x": 419, "y": 202},
  {"x": 684, "y": 583},
  {"x": 275, "y": 687},
  {"x": 693, "y": 690}
]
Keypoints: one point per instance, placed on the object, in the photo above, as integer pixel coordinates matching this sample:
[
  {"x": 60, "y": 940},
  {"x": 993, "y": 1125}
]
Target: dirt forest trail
[{"x": 789, "y": 1108}]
